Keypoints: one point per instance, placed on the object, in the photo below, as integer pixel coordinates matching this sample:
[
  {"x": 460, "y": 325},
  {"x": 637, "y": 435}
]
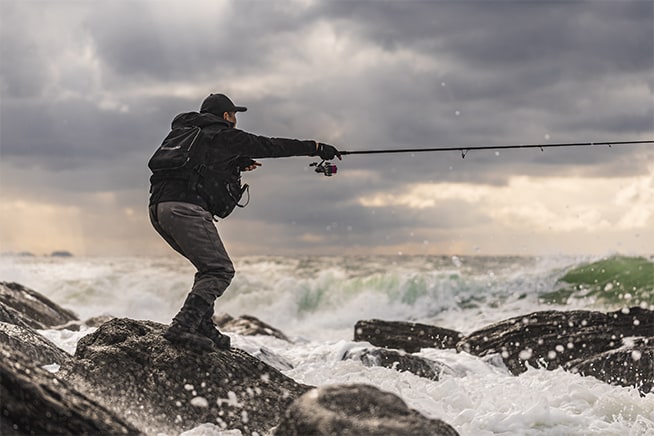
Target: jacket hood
[{"x": 197, "y": 119}]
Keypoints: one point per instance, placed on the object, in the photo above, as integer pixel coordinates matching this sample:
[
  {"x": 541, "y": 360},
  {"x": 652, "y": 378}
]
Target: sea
[{"x": 316, "y": 302}]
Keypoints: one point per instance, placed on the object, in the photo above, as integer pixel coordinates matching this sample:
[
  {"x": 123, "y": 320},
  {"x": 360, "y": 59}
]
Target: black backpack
[
  {"x": 181, "y": 157},
  {"x": 174, "y": 153}
]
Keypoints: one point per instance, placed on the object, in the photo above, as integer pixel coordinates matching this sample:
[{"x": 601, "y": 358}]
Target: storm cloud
[{"x": 88, "y": 91}]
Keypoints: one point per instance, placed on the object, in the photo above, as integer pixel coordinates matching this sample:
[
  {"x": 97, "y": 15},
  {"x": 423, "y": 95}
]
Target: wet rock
[
  {"x": 31, "y": 344},
  {"x": 550, "y": 339},
  {"x": 76, "y": 326},
  {"x": 273, "y": 359},
  {"x": 407, "y": 336},
  {"x": 10, "y": 315},
  {"x": 349, "y": 410},
  {"x": 630, "y": 365},
  {"x": 247, "y": 325},
  {"x": 97, "y": 321},
  {"x": 128, "y": 366},
  {"x": 37, "y": 402},
  {"x": 24, "y": 306},
  {"x": 399, "y": 361}
]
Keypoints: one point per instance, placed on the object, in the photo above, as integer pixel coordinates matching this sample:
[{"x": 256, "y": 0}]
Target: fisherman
[{"x": 182, "y": 209}]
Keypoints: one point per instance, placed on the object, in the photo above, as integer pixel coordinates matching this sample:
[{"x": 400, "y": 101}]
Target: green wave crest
[{"x": 614, "y": 281}]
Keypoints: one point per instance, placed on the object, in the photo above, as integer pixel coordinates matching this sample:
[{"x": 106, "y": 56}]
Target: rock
[
  {"x": 37, "y": 402},
  {"x": 630, "y": 365},
  {"x": 128, "y": 366},
  {"x": 76, "y": 326},
  {"x": 407, "y": 336},
  {"x": 61, "y": 253},
  {"x": 31, "y": 344},
  {"x": 273, "y": 359},
  {"x": 30, "y": 308},
  {"x": 247, "y": 325},
  {"x": 97, "y": 321},
  {"x": 399, "y": 361},
  {"x": 349, "y": 410},
  {"x": 550, "y": 339},
  {"x": 12, "y": 316}
]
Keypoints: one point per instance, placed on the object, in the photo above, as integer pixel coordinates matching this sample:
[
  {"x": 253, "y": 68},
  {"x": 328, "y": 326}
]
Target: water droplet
[
  {"x": 525, "y": 354},
  {"x": 635, "y": 355}
]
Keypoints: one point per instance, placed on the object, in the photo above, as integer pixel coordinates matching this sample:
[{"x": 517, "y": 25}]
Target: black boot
[
  {"x": 184, "y": 328},
  {"x": 209, "y": 329}
]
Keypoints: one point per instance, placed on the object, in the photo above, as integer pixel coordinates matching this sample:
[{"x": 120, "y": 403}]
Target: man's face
[{"x": 231, "y": 117}]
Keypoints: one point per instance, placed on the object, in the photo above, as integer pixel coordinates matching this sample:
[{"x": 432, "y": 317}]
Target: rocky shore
[
  {"x": 124, "y": 378},
  {"x": 615, "y": 347}
]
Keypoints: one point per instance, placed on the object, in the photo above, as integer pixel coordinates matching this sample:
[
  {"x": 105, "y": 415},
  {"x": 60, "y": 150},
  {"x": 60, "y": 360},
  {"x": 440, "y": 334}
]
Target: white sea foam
[{"x": 317, "y": 301}]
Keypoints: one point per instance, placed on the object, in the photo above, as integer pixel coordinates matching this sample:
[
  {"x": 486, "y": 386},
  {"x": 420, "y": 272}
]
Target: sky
[{"x": 88, "y": 90}]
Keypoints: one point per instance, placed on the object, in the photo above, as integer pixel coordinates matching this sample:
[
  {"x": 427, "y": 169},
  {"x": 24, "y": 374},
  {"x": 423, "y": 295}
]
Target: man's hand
[
  {"x": 327, "y": 152},
  {"x": 252, "y": 167},
  {"x": 247, "y": 164}
]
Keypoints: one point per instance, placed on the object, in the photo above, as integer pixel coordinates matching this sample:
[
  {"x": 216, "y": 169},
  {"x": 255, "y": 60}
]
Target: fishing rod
[{"x": 329, "y": 169}]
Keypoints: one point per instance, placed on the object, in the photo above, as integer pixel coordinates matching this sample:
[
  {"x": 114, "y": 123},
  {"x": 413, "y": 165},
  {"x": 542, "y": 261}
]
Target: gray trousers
[{"x": 190, "y": 231}]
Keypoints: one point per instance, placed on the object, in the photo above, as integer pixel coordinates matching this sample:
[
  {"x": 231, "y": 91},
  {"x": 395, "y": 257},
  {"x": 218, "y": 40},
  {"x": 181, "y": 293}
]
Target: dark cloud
[
  {"x": 23, "y": 70},
  {"x": 88, "y": 92},
  {"x": 223, "y": 39},
  {"x": 511, "y": 34}
]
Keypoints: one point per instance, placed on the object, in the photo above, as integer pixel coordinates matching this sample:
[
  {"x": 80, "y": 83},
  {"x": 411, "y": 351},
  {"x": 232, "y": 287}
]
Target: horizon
[{"x": 453, "y": 257}]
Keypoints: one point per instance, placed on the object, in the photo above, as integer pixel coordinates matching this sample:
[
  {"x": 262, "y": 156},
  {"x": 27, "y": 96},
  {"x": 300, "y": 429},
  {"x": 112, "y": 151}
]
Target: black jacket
[{"x": 226, "y": 147}]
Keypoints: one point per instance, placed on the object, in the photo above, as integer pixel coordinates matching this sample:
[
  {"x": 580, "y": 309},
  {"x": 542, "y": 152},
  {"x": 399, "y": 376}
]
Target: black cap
[{"x": 218, "y": 104}]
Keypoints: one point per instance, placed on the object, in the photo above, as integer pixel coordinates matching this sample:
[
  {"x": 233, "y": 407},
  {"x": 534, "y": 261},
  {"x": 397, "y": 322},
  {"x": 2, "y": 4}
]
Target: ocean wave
[
  {"x": 325, "y": 296},
  {"x": 614, "y": 281}
]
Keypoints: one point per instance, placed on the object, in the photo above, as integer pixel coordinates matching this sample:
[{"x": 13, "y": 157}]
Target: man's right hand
[{"x": 327, "y": 152}]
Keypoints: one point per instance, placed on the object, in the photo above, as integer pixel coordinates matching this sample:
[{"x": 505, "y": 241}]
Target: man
[{"x": 182, "y": 208}]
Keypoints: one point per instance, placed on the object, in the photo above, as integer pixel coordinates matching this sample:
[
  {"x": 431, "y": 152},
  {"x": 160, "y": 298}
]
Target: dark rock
[
  {"x": 97, "y": 321},
  {"x": 550, "y": 339},
  {"x": 18, "y": 254},
  {"x": 407, "y": 336},
  {"x": 247, "y": 325},
  {"x": 31, "y": 308},
  {"x": 76, "y": 326},
  {"x": 353, "y": 410},
  {"x": 61, "y": 253},
  {"x": 631, "y": 365},
  {"x": 273, "y": 359},
  {"x": 31, "y": 344},
  {"x": 399, "y": 361},
  {"x": 37, "y": 402},
  {"x": 128, "y": 366},
  {"x": 12, "y": 316}
]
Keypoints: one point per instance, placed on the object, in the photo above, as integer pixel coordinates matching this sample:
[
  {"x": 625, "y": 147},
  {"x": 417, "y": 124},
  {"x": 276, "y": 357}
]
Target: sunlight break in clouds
[{"x": 548, "y": 204}]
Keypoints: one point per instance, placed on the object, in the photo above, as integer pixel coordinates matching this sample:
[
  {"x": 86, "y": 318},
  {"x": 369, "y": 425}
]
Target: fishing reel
[{"x": 327, "y": 168}]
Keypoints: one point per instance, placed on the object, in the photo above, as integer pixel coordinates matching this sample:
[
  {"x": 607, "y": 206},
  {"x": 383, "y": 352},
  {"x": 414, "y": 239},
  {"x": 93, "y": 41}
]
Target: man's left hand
[
  {"x": 252, "y": 167},
  {"x": 247, "y": 164}
]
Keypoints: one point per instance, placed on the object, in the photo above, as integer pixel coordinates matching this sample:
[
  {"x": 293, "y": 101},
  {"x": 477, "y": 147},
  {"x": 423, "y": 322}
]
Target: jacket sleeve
[{"x": 255, "y": 146}]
